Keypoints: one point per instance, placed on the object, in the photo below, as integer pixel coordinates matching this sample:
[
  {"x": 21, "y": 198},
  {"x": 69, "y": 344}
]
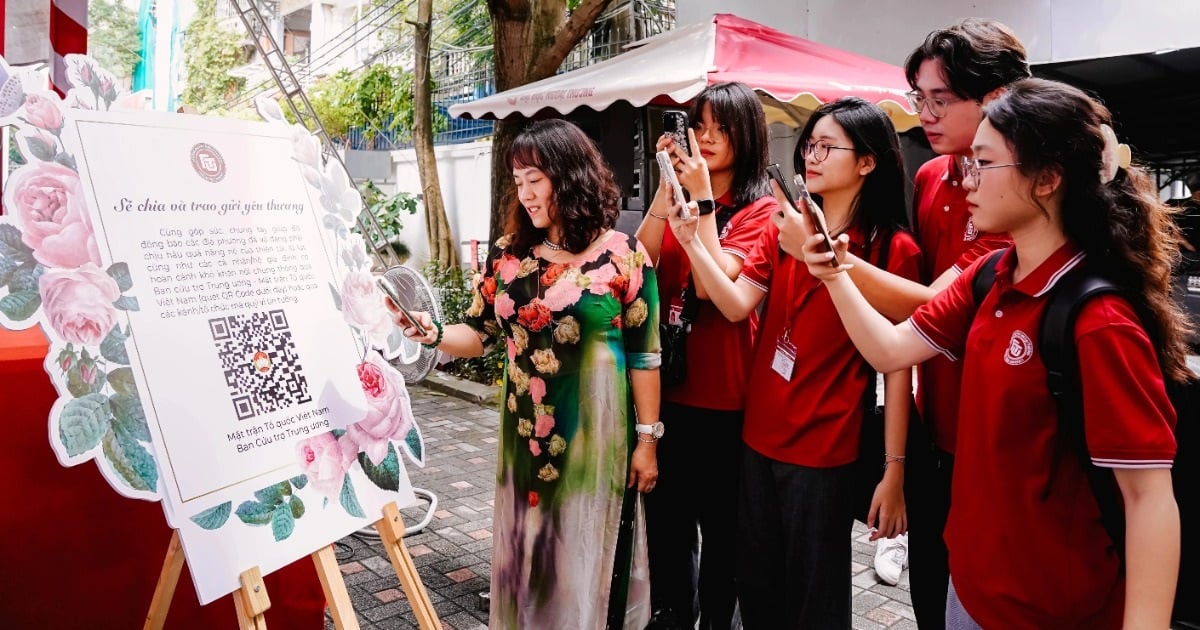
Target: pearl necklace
[{"x": 554, "y": 247}]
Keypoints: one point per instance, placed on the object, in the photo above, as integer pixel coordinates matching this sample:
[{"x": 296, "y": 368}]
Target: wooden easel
[{"x": 251, "y": 600}]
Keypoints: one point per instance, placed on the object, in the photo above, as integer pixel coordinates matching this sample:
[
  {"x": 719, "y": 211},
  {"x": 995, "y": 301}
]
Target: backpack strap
[
  {"x": 881, "y": 262},
  {"x": 986, "y": 276},
  {"x": 1056, "y": 346}
]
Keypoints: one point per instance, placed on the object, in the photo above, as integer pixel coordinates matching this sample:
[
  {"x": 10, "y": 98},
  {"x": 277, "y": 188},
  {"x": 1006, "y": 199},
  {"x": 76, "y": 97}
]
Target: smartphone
[
  {"x": 667, "y": 171},
  {"x": 386, "y": 286},
  {"x": 675, "y": 123},
  {"x": 811, "y": 210}
]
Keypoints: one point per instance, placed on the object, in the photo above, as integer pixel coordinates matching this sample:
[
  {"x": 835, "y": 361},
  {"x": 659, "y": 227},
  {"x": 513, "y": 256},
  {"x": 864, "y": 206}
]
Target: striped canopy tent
[{"x": 791, "y": 74}]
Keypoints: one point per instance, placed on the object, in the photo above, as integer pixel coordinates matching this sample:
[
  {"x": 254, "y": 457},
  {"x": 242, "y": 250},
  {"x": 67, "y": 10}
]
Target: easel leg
[
  {"x": 251, "y": 600},
  {"x": 334, "y": 586},
  {"x": 168, "y": 579},
  {"x": 391, "y": 533}
]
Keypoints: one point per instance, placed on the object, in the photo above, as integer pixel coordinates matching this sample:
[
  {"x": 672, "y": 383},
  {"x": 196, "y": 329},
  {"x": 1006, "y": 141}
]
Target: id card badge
[
  {"x": 675, "y": 315},
  {"x": 784, "y": 362}
]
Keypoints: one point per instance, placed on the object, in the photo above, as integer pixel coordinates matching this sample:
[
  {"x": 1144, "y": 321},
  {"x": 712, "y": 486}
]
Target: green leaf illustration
[
  {"x": 273, "y": 495},
  {"x": 387, "y": 474},
  {"x": 126, "y": 303},
  {"x": 20, "y": 305},
  {"x": 254, "y": 513},
  {"x": 11, "y": 245},
  {"x": 120, "y": 273},
  {"x": 337, "y": 297},
  {"x": 129, "y": 416},
  {"x": 282, "y": 523},
  {"x": 299, "y": 481},
  {"x": 122, "y": 381},
  {"x": 297, "y": 506},
  {"x": 83, "y": 423},
  {"x": 25, "y": 278},
  {"x": 214, "y": 517},
  {"x": 415, "y": 446},
  {"x": 349, "y": 499},
  {"x": 113, "y": 347},
  {"x": 130, "y": 459},
  {"x": 42, "y": 150}
]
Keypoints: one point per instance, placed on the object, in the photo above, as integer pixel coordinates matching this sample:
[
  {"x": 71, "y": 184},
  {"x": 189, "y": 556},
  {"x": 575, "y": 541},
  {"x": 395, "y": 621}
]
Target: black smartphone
[
  {"x": 816, "y": 218},
  {"x": 675, "y": 123},
  {"x": 390, "y": 291}
]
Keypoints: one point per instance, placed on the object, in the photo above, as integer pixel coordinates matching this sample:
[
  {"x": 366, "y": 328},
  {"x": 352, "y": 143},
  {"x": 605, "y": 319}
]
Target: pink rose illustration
[
  {"x": 79, "y": 303},
  {"x": 362, "y": 307},
  {"x": 42, "y": 112},
  {"x": 543, "y": 426},
  {"x": 535, "y": 448},
  {"x": 389, "y": 413},
  {"x": 537, "y": 389},
  {"x": 48, "y": 200},
  {"x": 325, "y": 460},
  {"x": 505, "y": 306}
]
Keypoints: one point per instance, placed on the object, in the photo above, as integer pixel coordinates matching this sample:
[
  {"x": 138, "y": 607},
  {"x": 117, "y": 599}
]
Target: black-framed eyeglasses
[
  {"x": 820, "y": 150},
  {"x": 937, "y": 106},
  {"x": 971, "y": 168}
]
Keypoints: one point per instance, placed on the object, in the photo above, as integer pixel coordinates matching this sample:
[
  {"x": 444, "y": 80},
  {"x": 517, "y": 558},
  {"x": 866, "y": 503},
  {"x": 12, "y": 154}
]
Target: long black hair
[
  {"x": 1126, "y": 232},
  {"x": 739, "y": 113},
  {"x": 879, "y": 209},
  {"x": 586, "y": 194}
]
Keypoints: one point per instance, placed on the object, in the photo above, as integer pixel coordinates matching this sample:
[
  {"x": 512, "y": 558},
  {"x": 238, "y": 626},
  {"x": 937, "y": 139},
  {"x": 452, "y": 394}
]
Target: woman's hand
[
  {"x": 424, "y": 319},
  {"x": 800, "y": 241},
  {"x": 692, "y": 169},
  {"x": 888, "y": 517},
  {"x": 643, "y": 469},
  {"x": 684, "y": 227}
]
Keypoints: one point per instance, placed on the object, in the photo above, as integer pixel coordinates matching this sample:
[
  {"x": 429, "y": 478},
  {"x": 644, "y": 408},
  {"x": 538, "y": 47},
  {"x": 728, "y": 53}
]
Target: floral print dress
[{"x": 573, "y": 332}]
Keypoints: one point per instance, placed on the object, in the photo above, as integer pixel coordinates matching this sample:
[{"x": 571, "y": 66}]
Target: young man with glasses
[{"x": 952, "y": 73}]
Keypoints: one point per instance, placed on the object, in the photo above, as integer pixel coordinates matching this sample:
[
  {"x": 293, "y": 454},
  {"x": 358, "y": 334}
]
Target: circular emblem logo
[
  {"x": 261, "y": 362},
  {"x": 208, "y": 162},
  {"x": 970, "y": 233},
  {"x": 1020, "y": 348}
]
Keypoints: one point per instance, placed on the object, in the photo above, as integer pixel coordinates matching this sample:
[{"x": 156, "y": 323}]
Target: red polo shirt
[
  {"x": 815, "y": 417},
  {"x": 718, "y": 350},
  {"x": 948, "y": 239},
  {"x": 1019, "y": 561}
]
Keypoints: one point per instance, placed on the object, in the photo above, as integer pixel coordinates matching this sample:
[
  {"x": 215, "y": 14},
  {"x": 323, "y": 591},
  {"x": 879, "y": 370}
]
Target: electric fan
[{"x": 415, "y": 361}]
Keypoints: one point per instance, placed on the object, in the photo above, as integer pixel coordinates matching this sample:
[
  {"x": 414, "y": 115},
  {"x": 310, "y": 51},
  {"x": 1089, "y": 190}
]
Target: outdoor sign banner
[{"x": 215, "y": 329}]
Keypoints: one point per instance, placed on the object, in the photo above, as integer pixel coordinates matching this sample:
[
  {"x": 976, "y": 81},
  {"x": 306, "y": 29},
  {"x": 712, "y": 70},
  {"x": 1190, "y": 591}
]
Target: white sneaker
[{"x": 891, "y": 558}]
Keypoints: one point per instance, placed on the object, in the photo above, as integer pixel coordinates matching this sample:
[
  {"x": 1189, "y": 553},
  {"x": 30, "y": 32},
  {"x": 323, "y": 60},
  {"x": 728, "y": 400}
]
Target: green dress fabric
[{"x": 567, "y": 418}]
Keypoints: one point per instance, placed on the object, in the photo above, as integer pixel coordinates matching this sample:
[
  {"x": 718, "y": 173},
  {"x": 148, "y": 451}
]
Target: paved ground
[{"x": 453, "y": 553}]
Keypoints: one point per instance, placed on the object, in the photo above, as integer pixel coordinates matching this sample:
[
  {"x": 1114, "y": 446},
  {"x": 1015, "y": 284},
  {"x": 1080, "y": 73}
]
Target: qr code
[{"x": 261, "y": 366}]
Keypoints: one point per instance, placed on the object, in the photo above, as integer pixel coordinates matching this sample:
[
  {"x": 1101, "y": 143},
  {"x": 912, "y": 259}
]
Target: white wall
[
  {"x": 1052, "y": 30},
  {"x": 464, "y": 171}
]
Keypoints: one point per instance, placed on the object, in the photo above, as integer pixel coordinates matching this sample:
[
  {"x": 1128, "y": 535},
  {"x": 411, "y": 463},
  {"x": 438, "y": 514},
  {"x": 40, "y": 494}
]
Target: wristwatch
[
  {"x": 705, "y": 206},
  {"x": 656, "y": 430}
]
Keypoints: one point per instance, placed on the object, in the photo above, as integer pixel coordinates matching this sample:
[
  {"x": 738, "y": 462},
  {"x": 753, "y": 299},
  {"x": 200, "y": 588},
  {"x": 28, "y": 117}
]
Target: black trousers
[
  {"x": 697, "y": 487},
  {"x": 793, "y": 564},
  {"x": 927, "y": 475}
]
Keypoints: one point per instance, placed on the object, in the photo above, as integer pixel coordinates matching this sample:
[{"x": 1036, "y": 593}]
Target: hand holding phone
[
  {"x": 667, "y": 171},
  {"x": 394, "y": 296},
  {"x": 816, "y": 218},
  {"x": 675, "y": 124}
]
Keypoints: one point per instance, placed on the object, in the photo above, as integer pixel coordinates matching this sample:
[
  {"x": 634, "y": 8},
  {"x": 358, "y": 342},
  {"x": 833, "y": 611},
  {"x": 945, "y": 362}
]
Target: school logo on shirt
[
  {"x": 1020, "y": 348},
  {"x": 970, "y": 233}
]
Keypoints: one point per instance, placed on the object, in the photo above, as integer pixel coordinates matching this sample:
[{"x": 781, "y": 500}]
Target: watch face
[{"x": 659, "y": 429}]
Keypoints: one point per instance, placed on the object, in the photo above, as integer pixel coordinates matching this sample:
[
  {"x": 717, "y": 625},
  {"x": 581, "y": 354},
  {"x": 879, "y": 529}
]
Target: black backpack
[{"x": 1056, "y": 346}]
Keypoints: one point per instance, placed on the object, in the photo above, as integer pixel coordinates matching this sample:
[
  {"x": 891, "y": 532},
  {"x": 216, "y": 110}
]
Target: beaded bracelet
[
  {"x": 438, "y": 341},
  {"x": 889, "y": 458},
  {"x": 656, "y": 216}
]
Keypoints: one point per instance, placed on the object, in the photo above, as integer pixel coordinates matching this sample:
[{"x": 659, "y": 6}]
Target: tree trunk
[
  {"x": 531, "y": 39},
  {"x": 442, "y": 248}
]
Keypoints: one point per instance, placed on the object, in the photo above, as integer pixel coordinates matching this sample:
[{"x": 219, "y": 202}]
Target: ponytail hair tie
[{"x": 1115, "y": 155}]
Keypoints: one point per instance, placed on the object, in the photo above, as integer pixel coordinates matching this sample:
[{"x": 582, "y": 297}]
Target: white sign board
[{"x": 212, "y": 322}]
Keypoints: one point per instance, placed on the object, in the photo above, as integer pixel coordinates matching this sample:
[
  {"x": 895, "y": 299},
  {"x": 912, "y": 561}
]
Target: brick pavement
[{"x": 453, "y": 554}]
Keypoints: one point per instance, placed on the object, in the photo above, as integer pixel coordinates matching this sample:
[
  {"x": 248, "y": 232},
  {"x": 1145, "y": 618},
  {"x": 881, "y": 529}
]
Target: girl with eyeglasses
[
  {"x": 1027, "y": 549},
  {"x": 725, "y": 175},
  {"x": 804, "y": 399}
]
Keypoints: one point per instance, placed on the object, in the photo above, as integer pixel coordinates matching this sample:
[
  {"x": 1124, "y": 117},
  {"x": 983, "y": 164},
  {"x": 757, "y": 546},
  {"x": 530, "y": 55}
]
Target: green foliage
[
  {"x": 377, "y": 99},
  {"x": 332, "y": 98},
  {"x": 210, "y": 53},
  {"x": 454, "y": 287},
  {"x": 114, "y": 39},
  {"x": 386, "y": 210}
]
